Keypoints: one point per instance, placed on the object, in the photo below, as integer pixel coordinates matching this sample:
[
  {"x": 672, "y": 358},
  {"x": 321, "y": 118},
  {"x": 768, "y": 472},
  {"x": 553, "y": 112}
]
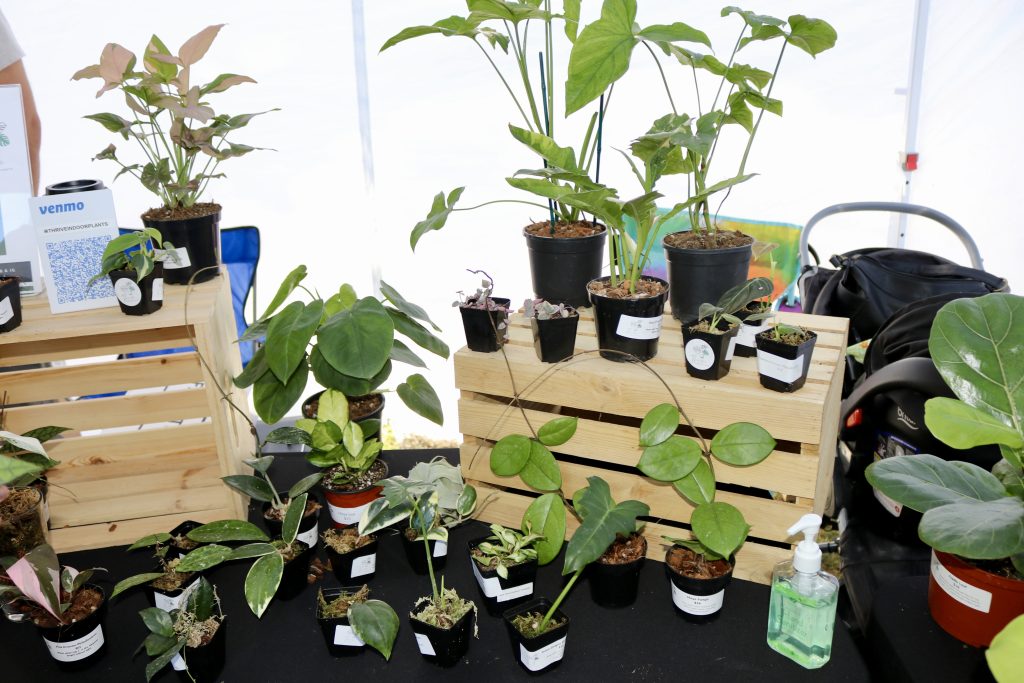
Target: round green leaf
[
  {"x": 671, "y": 459},
  {"x": 659, "y": 423},
  {"x": 541, "y": 470},
  {"x": 421, "y": 398},
  {"x": 262, "y": 581},
  {"x": 357, "y": 341},
  {"x": 990, "y": 530},
  {"x": 203, "y": 558},
  {"x": 557, "y": 431},
  {"x": 698, "y": 486},
  {"x": 1006, "y": 653},
  {"x": 376, "y": 624},
  {"x": 510, "y": 455},
  {"x": 546, "y": 515},
  {"x": 227, "y": 530},
  {"x": 720, "y": 527},
  {"x": 742, "y": 444}
]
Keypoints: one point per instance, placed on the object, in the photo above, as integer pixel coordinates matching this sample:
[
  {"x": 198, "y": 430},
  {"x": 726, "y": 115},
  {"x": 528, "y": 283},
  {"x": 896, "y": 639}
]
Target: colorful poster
[{"x": 18, "y": 253}]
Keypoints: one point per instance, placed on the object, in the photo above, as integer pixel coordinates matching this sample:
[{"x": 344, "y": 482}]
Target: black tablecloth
[{"x": 644, "y": 642}]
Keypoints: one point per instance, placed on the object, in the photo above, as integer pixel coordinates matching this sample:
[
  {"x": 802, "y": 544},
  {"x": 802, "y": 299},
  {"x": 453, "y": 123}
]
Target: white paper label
[
  {"x": 177, "y": 663},
  {"x": 74, "y": 650},
  {"x": 440, "y": 548},
  {"x": 492, "y": 587},
  {"x": 777, "y": 367},
  {"x": 347, "y": 516},
  {"x": 308, "y": 537},
  {"x": 172, "y": 602},
  {"x": 890, "y": 505},
  {"x": 361, "y": 566},
  {"x": 959, "y": 590},
  {"x": 731, "y": 348},
  {"x": 177, "y": 258},
  {"x": 6, "y": 310},
  {"x": 699, "y": 354},
  {"x": 638, "y": 328},
  {"x": 158, "y": 289},
  {"x": 127, "y": 292},
  {"x": 344, "y": 635},
  {"x": 424, "y": 644},
  {"x": 745, "y": 337},
  {"x": 535, "y": 661},
  {"x": 697, "y": 604}
]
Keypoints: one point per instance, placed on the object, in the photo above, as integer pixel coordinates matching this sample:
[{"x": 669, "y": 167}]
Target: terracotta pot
[{"x": 969, "y": 603}]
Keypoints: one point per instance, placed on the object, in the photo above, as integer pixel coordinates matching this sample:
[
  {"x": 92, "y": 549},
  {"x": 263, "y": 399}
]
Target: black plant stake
[{"x": 547, "y": 131}]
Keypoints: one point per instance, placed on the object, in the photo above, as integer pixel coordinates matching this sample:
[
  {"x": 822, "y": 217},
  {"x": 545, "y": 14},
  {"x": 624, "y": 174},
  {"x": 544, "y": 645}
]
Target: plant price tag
[
  {"x": 344, "y": 635},
  {"x": 777, "y": 367},
  {"x": 6, "y": 310},
  {"x": 638, "y": 328},
  {"x": 361, "y": 566},
  {"x": 308, "y": 536},
  {"x": 158, "y": 289},
  {"x": 424, "y": 644},
  {"x": 746, "y": 335},
  {"x": 173, "y": 602},
  {"x": 175, "y": 258},
  {"x": 73, "y": 650},
  {"x": 440, "y": 548},
  {"x": 347, "y": 516},
  {"x": 959, "y": 590},
  {"x": 549, "y": 654},
  {"x": 697, "y": 604},
  {"x": 492, "y": 587}
]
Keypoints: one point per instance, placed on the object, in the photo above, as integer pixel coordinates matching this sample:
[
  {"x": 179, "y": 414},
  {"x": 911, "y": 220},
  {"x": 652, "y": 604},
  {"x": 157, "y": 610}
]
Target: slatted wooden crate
[
  {"x": 114, "y": 486},
  {"x": 610, "y": 399}
]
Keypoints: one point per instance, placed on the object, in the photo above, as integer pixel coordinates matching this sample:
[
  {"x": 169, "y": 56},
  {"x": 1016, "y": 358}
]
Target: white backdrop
[{"x": 439, "y": 116}]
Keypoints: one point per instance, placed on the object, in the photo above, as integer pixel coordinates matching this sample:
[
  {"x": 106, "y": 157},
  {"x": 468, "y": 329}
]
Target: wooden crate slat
[
  {"x": 87, "y": 379},
  {"x": 125, "y": 532},
  {"x": 788, "y": 473},
  {"x": 116, "y": 411},
  {"x": 81, "y": 451},
  {"x": 23, "y": 353},
  {"x": 136, "y": 505},
  {"x": 166, "y": 474},
  {"x": 754, "y": 561}
]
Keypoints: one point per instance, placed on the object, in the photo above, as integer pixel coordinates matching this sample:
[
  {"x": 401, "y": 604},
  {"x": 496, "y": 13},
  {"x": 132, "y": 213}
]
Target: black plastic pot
[
  {"x": 168, "y": 600},
  {"x": 182, "y": 529},
  {"x": 615, "y": 585},
  {"x": 561, "y": 267},
  {"x": 554, "y": 339},
  {"x": 198, "y": 242},
  {"x": 499, "y": 594},
  {"x": 708, "y": 355},
  {"x": 629, "y": 325},
  {"x": 418, "y": 559},
  {"x": 360, "y": 564},
  {"x": 308, "y": 531},
  {"x": 293, "y": 580},
  {"x": 204, "y": 663},
  {"x": 783, "y": 367},
  {"x": 699, "y": 275},
  {"x": 69, "y": 186},
  {"x": 697, "y": 600},
  {"x": 481, "y": 326},
  {"x": 444, "y": 647},
  {"x": 79, "y": 645},
  {"x": 546, "y": 651},
  {"x": 139, "y": 298},
  {"x": 341, "y": 640},
  {"x": 10, "y": 304},
  {"x": 745, "y": 344}
]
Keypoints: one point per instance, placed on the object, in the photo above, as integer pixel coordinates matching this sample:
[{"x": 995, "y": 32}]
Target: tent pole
[{"x": 898, "y": 228}]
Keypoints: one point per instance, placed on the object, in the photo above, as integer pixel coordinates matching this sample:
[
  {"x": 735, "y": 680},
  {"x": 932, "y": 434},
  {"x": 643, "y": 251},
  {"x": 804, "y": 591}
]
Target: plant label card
[
  {"x": 18, "y": 253},
  {"x": 72, "y": 230}
]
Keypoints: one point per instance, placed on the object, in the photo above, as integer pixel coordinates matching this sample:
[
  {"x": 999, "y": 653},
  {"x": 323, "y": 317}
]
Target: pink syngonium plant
[{"x": 39, "y": 578}]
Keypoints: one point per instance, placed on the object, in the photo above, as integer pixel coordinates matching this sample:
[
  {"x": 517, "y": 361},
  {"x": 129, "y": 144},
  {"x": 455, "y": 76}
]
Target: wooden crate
[
  {"x": 116, "y": 485},
  {"x": 610, "y": 399}
]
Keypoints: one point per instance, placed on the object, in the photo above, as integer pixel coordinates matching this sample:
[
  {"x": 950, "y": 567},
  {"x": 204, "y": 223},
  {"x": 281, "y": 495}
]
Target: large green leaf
[
  {"x": 557, "y": 431},
  {"x": 227, "y": 530},
  {"x": 603, "y": 520},
  {"x": 571, "y": 14},
  {"x": 438, "y": 216},
  {"x": 358, "y": 341},
  {"x": 671, "y": 459},
  {"x": 262, "y": 581},
  {"x": 420, "y": 335},
  {"x": 286, "y": 287},
  {"x": 813, "y": 36},
  {"x": 252, "y": 550},
  {"x": 742, "y": 444},
  {"x": 132, "y": 581},
  {"x": 402, "y": 354},
  {"x": 407, "y": 307},
  {"x": 922, "y": 482},
  {"x": 541, "y": 470},
  {"x": 990, "y": 530},
  {"x": 247, "y": 484},
  {"x": 658, "y": 424},
  {"x": 1005, "y": 655},
  {"x": 452, "y": 26},
  {"x": 274, "y": 399},
  {"x": 290, "y": 525},
  {"x": 376, "y": 624},
  {"x": 289, "y": 334},
  {"x": 12, "y": 468},
  {"x": 549, "y": 150},
  {"x": 546, "y": 516},
  {"x": 203, "y": 558},
  {"x": 671, "y": 33},
  {"x": 421, "y": 398},
  {"x": 961, "y": 425},
  {"x": 327, "y": 376},
  {"x": 698, "y": 486},
  {"x": 510, "y": 455},
  {"x": 514, "y": 12},
  {"x": 601, "y": 53},
  {"x": 720, "y": 527}
]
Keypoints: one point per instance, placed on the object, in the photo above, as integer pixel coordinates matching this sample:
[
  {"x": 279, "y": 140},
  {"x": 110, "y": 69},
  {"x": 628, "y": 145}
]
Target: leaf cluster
[
  {"x": 23, "y": 458},
  {"x": 373, "y": 621},
  {"x": 171, "y": 632},
  {"x": 434, "y": 497},
  {"x": 337, "y": 441},
  {"x": 545, "y": 310},
  {"x": 259, "y": 486},
  {"x": 138, "y": 251},
  {"x": 507, "y": 548},
  {"x": 38, "y": 577}
]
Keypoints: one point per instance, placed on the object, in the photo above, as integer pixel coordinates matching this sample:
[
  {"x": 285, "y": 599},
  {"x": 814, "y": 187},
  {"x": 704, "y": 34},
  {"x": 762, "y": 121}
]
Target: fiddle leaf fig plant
[{"x": 968, "y": 511}]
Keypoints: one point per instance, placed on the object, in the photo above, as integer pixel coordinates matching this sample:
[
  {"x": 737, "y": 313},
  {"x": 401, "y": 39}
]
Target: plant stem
[
  {"x": 505, "y": 83},
  {"x": 525, "y": 74},
  {"x": 760, "y": 115},
  {"x": 559, "y": 599},
  {"x": 500, "y": 201},
  {"x": 663, "y": 79}
]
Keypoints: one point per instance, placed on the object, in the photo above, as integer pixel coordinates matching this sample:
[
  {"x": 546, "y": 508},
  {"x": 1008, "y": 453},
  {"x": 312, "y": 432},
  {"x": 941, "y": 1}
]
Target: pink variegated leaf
[
  {"x": 92, "y": 71},
  {"x": 115, "y": 61},
  {"x": 37, "y": 576},
  {"x": 193, "y": 49}
]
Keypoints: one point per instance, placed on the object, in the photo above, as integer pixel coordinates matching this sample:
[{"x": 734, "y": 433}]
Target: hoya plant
[
  {"x": 976, "y": 347},
  {"x": 38, "y": 578},
  {"x": 169, "y": 577},
  {"x": 169, "y": 118},
  {"x": 23, "y": 457},
  {"x": 373, "y": 621},
  {"x": 147, "y": 248},
  {"x": 338, "y": 443},
  {"x": 259, "y": 486},
  {"x": 347, "y": 343},
  {"x": 191, "y": 626},
  {"x": 506, "y": 548}
]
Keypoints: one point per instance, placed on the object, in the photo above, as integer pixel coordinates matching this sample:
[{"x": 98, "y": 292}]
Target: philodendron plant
[
  {"x": 976, "y": 346},
  {"x": 355, "y": 344},
  {"x": 149, "y": 248},
  {"x": 38, "y": 578},
  {"x": 337, "y": 442},
  {"x": 192, "y": 625}
]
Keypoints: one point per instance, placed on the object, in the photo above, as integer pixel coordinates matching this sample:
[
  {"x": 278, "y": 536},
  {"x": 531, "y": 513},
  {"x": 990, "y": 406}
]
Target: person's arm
[{"x": 15, "y": 73}]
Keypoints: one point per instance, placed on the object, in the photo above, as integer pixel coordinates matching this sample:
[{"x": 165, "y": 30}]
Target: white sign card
[
  {"x": 72, "y": 231},
  {"x": 18, "y": 253}
]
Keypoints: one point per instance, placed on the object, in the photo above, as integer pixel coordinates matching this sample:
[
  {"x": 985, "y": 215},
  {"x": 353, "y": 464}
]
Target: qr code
[{"x": 72, "y": 263}]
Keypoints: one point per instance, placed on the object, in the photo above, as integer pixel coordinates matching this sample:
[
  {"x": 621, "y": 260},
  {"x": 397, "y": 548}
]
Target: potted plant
[
  {"x": 23, "y": 514},
  {"x": 350, "y": 620},
  {"x": 708, "y": 342},
  {"x": 138, "y": 276},
  {"x": 484, "y": 317},
  {"x": 752, "y": 313},
  {"x": 352, "y": 556},
  {"x": 10, "y": 303},
  {"x": 784, "y": 356},
  {"x": 182, "y": 139},
  {"x": 168, "y": 586},
  {"x": 971, "y": 517},
  {"x": 66, "y": 609},
  {"x": 356, "y": 340},
  {"x": 554, "y": 329},
  {"x": 191, "y": 638},
  {"x": 505, "y": 566},
  {"x": 442, "y": 621}
]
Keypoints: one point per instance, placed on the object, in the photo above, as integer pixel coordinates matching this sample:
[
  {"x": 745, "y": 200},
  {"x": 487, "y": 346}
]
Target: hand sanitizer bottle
[{"x": 802, "y": 612}]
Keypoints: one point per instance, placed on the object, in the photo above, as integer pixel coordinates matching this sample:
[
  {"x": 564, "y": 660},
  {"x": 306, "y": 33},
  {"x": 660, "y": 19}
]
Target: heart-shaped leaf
[
  {"x": 358, "y": 341},
  {"x": 376, "y": 624},
  {"x": 421, "y": 398},
  {"x": 601, "y": 53}
]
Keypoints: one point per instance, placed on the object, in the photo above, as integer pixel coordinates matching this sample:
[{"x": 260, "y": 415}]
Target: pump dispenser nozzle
[{"x": 807, "y": 558}]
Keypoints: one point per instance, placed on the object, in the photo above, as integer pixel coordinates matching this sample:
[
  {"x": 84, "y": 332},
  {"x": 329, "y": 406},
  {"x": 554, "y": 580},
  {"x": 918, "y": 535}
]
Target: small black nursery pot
[
  {"x": 10, "y": 304},
  {"x": 745, "y": 345},
  {"x": 781, "y": 366},
  {"x": 293, "y": 579},
  {"x": 554, "y": 339},
  {"x": 308, "y": 531},
  {"x": 697, "y": 600},
  {"x": 79, "y": 645},
  {"x": 543, "y": 652},
  {"x": 484, "y": 328},
  {"x": 360, "y": 563},
  {"x": 169, "y": 599},
  {"x": 630, "y": 326},
  {"x": 338, "y": 634},
  {"x": 174, "y": 551},
  {"x": 444, "y": 647},
  {"x": 139, "y": 298},
  {"x": 203, "y": 664},
  {"x": 708, "y": 355},
  {"x": 499, "y": 593},
  {"x": 418, "y": 558}
]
